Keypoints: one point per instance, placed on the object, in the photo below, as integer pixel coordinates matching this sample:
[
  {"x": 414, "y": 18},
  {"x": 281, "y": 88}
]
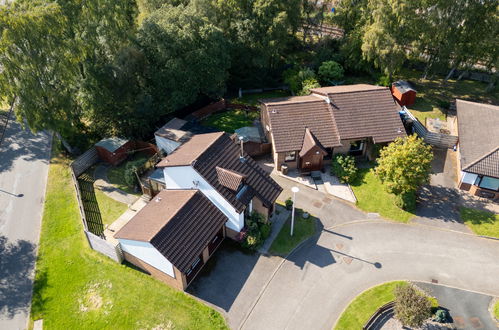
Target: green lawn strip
[
  {"x": 303, "y": 229},
  {"x": 229, "y": 121},
  {"x": 496, "y": 310},
  {"x": 109, "y": 208},
  {"x": 372, "y": 197},
  {"x": 481, "y": 222},
  {"x": 77, "y": 288},
  {"x": 365, "y": 305},
  {"x": 116, "y": 174},
  {"x": 252, "y": 99}
]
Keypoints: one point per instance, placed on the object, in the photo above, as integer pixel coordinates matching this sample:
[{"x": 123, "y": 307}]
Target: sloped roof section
[
  {"x": 311, "y": 143},
  {"x": 229, "y": 179},
  {"x": 362, "y": 112},
  {"x": 111, "y": 144},
  {"x": 478, "y": 128},
  {"x": 289, "y": 117},
  {"x": 178, "y": 223}
]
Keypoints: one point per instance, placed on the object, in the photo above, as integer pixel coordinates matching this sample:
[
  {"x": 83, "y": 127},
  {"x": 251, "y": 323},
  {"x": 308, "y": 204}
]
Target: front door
[{"x": 311, "y": 162}]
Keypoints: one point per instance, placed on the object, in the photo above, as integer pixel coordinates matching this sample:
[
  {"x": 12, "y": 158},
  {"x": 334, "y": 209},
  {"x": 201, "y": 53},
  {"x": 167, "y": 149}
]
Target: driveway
[
  {"x": 469, "y": 310},
  {"x": 24, "y": 159}
]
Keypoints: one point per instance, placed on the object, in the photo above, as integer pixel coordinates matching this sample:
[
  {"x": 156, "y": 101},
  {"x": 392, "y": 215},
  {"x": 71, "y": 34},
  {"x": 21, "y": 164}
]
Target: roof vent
[
  {"x": 195, "y": 183},
  {"x": 274, "y": 111},
  {"x": 158, "y": 199}
]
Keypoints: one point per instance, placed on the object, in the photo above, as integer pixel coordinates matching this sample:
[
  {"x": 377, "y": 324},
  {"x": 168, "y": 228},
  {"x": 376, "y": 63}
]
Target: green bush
[
  {"x": 307, "y": 85},
  {"x": 130, "y": 169},
  {"x": 289, "y": 203},
  {"x": 330, "y": 71},
  {"x": 412, "y": 307},
  {"x": 406, "y": 201},
  {"x": 343, "y": 166},
  {"x": 258, "y": 231},
  {"x": 384, "y": 81},
  {"x": 296, "y": 78},
  {"x": 441, "y": 316},
  {"x": 265, "y": 230}
]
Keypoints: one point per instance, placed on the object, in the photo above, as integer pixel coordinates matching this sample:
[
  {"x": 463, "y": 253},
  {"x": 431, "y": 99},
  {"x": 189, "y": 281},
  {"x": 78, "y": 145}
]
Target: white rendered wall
[
  {"x": 468, "y": 177},
  {"x": 183, "y": 177},
  {"x": 165, "y": 144},
  {"x": 148, "y": 253}
]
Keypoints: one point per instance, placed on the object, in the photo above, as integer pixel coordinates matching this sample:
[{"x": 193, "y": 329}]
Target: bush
[
  {"x": 130, "y": 169},
  {"x": 296, "y": 78},
  {"x": 265, "y": 230},
  {"x": 289, "y": 203},
  {"x": 308, "y": 85},
  {"x": 412, "y": 307},
  {"x": 384, "y": 81},
  {"x": 406, "y": 201},
  {"x": 343, "y": 166},
  {"x": 258, "y": 230},
  {"x": 441, "y": 316},
  {"x": 330, "y": 71}
]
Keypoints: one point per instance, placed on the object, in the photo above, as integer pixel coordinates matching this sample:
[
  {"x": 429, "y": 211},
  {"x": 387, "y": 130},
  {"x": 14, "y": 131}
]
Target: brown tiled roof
[
  {"x": 310, "y": 142},
  {"x": 478, "y": 125},
  {"x": 362, "y": 112},
  {"x": 229, "y": 179},
  {"x": 190, "y": 151},
  {"x": 344, "y": 89},
  {"x": 225, "y": 153},
  {"x": 290, "y": 116},
  {"x": 178, "y": 223}
]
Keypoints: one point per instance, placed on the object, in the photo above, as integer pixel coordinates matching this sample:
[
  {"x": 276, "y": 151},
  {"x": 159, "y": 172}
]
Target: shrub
[
  {"x": 384, "y": 81},
  {"x": 258, "y": 231},
  {"x": 330, "y": 71},
  {"x": 307, "y": 85},
  {"x": 441, "y": 316},
  {"x": 296, "y": 78},
  {"x": 265, "y": 230},
  {"x": 406, "y": 201},
  {"x": 412, "y": 307},
  {"x": 130, "y": 168},
  {"x": 289, "y": 203},
  {"x": 343, "y": 166}
]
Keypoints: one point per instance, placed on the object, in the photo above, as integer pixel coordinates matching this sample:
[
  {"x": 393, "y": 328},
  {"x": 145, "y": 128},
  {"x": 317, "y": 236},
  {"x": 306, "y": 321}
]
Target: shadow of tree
[{"x": 16, "y": 265}]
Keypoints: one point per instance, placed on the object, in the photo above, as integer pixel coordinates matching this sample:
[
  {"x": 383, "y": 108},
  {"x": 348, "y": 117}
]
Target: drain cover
[
  {"x": 372, "y": 215},
  {"x": 434, "y": 281}
]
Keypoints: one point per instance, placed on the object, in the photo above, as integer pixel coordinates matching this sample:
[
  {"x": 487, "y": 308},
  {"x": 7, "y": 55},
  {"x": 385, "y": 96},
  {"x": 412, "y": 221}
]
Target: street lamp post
[{"x": 294, "y": 190}]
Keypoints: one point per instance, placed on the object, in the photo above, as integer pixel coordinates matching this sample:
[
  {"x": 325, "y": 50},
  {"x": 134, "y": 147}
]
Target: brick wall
[{"x": 209, "y": 109}]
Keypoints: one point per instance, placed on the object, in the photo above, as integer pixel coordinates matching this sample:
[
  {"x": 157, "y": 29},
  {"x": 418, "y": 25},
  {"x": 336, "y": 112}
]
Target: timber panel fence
[
  {"x": 435, "y": 139},
  {"x": 105, "y": 247}
]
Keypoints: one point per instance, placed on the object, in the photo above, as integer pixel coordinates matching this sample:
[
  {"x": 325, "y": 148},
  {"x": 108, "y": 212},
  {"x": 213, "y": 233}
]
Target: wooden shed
[
  {"x": 404, "y": 93},
  {"x": 114, "y": 150}
]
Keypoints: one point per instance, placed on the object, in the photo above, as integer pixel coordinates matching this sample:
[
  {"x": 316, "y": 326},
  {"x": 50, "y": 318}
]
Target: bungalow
[
  {"x": 478, "y": 129},
  {"x": 211, "y": 187},
  {"x": 305, "y": 130}
]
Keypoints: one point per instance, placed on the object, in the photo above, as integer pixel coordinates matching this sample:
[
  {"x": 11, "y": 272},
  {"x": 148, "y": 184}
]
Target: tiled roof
[
  {"x": 310, "y": 142},
  {"x": 178, "y": 223},
  {"x": 290, "y": 116},
  {"x": 172, "y": 130},
  {"x": 478, "y": 128},
  {"x": 229, "y": 179},
  {"x": 366, "y": 113},
  {"x": 344, "y": 89}
]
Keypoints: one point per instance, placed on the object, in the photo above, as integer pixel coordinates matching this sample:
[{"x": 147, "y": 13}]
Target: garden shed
[
  {"x": 404, "y": 93},
  {"x": 114, "y": 150}
]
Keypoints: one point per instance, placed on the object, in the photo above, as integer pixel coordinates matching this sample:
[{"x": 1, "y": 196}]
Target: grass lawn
[
  {"x": 303, "y": 229},
  {"x": 110, "y": 209},
  {"x": 252, "y": 99},
  {"x": 481, "y": 222},
  {"x": 496, "y": 310},
  {"x": 229, "y": 121},
  {"x": 372, "y": 197},
  {"x": 77, "y": 288},
  {"x": 434, "y": 93},
  {"x": 365, "y": 305},
  {"x": 116, "y": 174}
]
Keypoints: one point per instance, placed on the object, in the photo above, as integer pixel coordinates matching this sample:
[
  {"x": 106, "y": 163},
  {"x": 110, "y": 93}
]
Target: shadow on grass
[{"x": 477, "y": 217}]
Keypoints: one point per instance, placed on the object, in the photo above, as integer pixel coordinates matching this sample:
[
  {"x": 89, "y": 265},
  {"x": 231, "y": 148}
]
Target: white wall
[
  {"x": 183, "y": 177},
  {"x": 468, "y": 177},
  {"x": 165, "y": 144},
  {"x": 148, "y": 253}
]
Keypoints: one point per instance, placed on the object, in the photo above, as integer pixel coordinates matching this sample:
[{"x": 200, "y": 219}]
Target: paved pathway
[
  {"x": 278, "y": 221},
  {"x": 24, "y": 159},
  {"x": 102, "y": 182}
]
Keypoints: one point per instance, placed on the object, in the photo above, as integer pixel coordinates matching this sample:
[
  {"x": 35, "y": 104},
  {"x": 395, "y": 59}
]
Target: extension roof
[
  {"x": 333, "y": 114},
  {"x": 111, "y": 144},
  {"x": 478, "y": 127},
  {"x": 206, "y": 152},
  {"x": 178, "y": 223},
  {"x": 173, "y": 130}
]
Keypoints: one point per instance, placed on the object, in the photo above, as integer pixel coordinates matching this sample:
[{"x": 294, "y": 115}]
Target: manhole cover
[
  {"x": 318, "y": 204},
  {"x": 347, "y": 260},
  {"x": 327, "y": 200},
  {"x": 339, "y": 246},
  {"x": 476, "y": 323},
  {"x": 434, "y": 281},
  {"x": 459, "y": 322}
]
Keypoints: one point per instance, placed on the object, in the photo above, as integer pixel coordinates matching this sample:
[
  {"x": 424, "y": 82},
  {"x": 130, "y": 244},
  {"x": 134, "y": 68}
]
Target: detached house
[
  {"x": 478, "y": 129},
  {"x": 210, "y": 188},
  {"x": 305, "y": 130}
]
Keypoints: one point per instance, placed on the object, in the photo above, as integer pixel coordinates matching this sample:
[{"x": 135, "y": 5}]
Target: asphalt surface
[
  {"x": 468, "y": 310},
  {"x": 24, "y": 159}
]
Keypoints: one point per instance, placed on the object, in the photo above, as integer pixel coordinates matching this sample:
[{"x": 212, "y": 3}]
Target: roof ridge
[
  {"x": 378, "y": 88},
  {"x": 481, "y": 158}
]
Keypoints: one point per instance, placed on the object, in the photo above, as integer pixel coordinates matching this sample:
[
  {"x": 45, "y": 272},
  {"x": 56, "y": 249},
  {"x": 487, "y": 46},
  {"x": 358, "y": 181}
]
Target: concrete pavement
[{"x": 24, "y": 159}]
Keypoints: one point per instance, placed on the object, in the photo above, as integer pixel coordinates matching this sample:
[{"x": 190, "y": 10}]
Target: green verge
[
  {"x": 303, "y": 229},
  {"x": 481, "y": 222},
  {"x": 229, "y": 121},
  {"x": 365, "y": 305},
  {"x": 496, "y": 310},
  {"x": 372, "y": 197},
  {"x": 78, "y": 288}
]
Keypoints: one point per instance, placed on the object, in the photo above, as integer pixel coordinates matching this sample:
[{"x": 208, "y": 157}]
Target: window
[
  {"x": 290, "y": 156},
  {"x": 489, "y": 183}
]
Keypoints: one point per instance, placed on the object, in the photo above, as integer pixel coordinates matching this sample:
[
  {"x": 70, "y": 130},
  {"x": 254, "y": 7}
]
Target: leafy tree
[
  {"x": 405, "y": 164},
  {"x": 412, "y": 307},
  {"x": 186, "y": 56},
  {"x": 296, "y": 79},
  {"x": 330, "y": 71},
  {"x": 343, "y": 166},
  {"x": 307, "y": 85}
]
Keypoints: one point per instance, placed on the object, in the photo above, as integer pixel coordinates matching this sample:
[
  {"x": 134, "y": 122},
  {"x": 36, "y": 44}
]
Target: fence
[
  {"x": 435, "y": 139},
  {"x": 384, "y": 312},
  {"x": 101, "y": 245},
  {"x": 220, "y": 106}
]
